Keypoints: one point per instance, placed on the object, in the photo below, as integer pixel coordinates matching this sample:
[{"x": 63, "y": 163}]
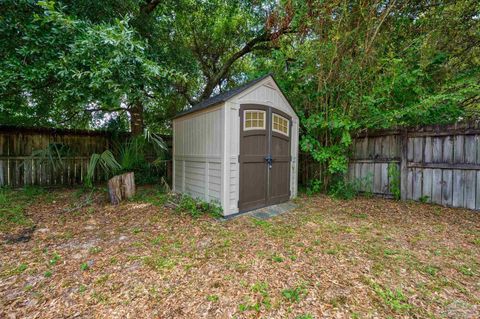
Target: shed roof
[{"x": 222, "y": 97}]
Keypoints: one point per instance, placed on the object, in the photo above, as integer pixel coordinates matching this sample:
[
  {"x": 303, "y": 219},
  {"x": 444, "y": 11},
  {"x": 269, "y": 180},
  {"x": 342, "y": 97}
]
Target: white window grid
[
  {"x": 280, "y": 124},
  {"x": 254, "y": 120}
]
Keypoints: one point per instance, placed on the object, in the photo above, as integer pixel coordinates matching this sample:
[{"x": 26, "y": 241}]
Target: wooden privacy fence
[
  {"x": 18, "y": 168},
  {"x": 308, "y": 169},
  {"x": 438, "y": 164}
]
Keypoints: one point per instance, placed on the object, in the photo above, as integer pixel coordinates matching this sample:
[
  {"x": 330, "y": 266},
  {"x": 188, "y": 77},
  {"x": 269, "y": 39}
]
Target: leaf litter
[{"x": 364, "y": 258}]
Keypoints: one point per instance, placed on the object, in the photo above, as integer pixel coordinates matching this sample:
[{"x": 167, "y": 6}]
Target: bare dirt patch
[{"x": 365, "y": 258}]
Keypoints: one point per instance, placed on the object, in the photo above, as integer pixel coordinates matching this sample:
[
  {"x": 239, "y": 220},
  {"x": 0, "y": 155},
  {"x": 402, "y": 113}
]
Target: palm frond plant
[
  {"x": 156, "y": 141},
  {"x": 106, "y": 161},
  {"x": 134, "y": 154},
  {"x": 131, "y": 153},
  {"x": 145, "y": 155},
  {"x": 54, "y": 154}
]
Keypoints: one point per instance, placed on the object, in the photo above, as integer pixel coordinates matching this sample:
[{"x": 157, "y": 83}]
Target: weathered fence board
[
  {"x": 447, "y": 198},
  {"x": 470, "y": 144},
  {"x": 18, "y": 168},
  {"x": 458, "y": 182},
  {"x": 477, "y": 191},
  {"x": 427, "y": 184},
  {"x": 439, "y": 164},
  {"x": 448, "y": 149},
  {"x": 417, "y": 184},
  {"x": 470, "y": 187},
  {"x": 437, "y": 186},
  {"x": 371, "y": 157},
  {"x": 437, "y": 150}
]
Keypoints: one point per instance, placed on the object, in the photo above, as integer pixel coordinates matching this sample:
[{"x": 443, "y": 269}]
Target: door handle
[{"x": 269, "y": 160}]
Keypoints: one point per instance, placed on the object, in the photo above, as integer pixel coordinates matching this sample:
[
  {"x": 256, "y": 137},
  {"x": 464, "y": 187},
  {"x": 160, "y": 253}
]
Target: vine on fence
[{"x": 394, "y": 180}]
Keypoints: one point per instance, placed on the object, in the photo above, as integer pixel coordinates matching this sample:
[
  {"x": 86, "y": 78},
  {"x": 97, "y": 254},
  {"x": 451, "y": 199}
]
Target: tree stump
[{"x": 121, "y": 187}]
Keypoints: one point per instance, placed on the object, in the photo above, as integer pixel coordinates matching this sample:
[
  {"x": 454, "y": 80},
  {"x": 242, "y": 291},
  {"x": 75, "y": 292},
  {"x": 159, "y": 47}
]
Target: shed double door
[{"x": 265, "y": 135}]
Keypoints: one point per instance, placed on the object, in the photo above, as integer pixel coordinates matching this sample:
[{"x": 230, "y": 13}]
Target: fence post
[{"x": 403, "y": 165}]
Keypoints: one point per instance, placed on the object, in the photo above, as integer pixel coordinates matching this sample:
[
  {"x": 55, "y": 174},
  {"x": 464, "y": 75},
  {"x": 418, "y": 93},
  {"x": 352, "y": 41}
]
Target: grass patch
[
  {"x": 263, "y": 224},
  {"x": 95, "y": 250},
  {"x": 277, "y": 258},
  {"x": 184, "y": 203},
  {"x": 13, "y": 216},
  {"x": 99, "y": 297},
  {"x": 33, "y": 191},
  {"x": 277, "y": 230},
  {"x": 261, "y": 301},
  {"x": 13, "y": 270},
  {"x": 432, "y": 270},
  {"x": 331, "y": 251},
  {"x": 21, "y": 268},
  {"x": 465, "y": 270},
  {"x": 294, "y": 294},
  {"x": 13, "y": 204},
  {"x": 360, "y": 215},
  {"x": 82, "y": 289},
  {"x": 196, "y": 207},
  {"x": 55, "y": 259},
  {"x": 338, "y": 301},
  {"x": 213, "y": 298},
  {"x": 159, "y": 263},
  {"x": 100, "y": 281},
  {"x": 390, "y": 252},
  {"x": 3, "y": 196},
  {"x": 154, "y": 196},
  {"x": 393, "y": 299},
  {"x": 158, "y": 240}
]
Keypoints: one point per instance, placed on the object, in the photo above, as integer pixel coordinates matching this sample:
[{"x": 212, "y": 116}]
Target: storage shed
[{"x": 238, "y": 148}]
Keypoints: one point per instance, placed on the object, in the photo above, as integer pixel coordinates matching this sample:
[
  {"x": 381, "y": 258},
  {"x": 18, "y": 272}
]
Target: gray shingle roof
[{"x": 222, "y": 97}]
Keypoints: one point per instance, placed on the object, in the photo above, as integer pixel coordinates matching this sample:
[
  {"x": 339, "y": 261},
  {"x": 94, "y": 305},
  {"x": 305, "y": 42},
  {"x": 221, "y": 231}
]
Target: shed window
[
  {"x": 254, "y": 120},
  {"x": 280, "y": 124}
]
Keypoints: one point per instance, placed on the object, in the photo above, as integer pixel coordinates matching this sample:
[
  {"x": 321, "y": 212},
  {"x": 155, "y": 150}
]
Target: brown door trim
[
  {"x": 253, "y": 160},
  {"x": 271, "y": 200},
  {"x": 259, "y": 160}
]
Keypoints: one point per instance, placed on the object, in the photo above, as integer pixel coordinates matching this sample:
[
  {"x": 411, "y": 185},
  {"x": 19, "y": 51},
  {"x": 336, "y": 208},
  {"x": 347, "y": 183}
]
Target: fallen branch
[{"x": 86, "y": 202}]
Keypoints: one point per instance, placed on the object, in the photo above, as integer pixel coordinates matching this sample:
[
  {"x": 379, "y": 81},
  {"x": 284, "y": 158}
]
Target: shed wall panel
[{"x": 197, "y": 154}]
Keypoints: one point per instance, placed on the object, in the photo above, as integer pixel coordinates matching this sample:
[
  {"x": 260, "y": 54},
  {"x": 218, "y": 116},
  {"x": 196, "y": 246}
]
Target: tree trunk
[
  {"x": 115, "y": 189},
  {"x": 121, "y": 187},
  {"x": 128, "y": 181},
  {"x": 136, "y": 119}
]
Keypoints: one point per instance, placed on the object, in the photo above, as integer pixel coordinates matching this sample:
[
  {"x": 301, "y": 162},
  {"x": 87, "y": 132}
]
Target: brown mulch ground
[{"x": 365, "y": 258}]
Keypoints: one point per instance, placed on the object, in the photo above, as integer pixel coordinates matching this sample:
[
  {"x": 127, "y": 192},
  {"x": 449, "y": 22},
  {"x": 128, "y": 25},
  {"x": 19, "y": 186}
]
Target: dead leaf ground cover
[{"x": 364, "y": 258}]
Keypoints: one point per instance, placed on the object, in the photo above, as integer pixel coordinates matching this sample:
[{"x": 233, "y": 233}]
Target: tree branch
[
  {"x": 198, "y": 52},
  {"x": 149, "y": 6},
  {"x": 377, "y": 29},
  {"x": 188, "y": 98},
  {"x": 259, "y": 42},
  {"x": 247, "y": 48},
  {"x": 182, "y": 89},
  {"x": 119, "y": 109}
]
